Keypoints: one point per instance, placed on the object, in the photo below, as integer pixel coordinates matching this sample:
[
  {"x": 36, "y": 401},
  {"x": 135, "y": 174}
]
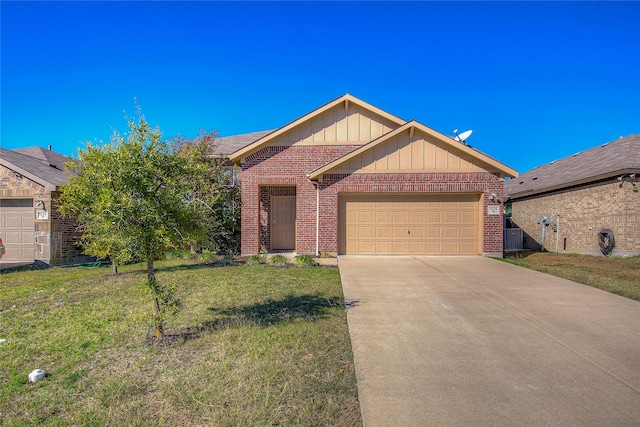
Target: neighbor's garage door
[
  {"x": 17, "y": 230},
  {"x": 397, "y": 225}
]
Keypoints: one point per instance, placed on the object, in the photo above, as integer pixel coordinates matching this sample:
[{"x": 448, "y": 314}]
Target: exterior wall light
[{"x": 629, "y": 177}]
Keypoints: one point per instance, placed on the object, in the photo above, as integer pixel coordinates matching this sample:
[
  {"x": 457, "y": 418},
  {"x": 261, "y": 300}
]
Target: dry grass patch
[
  {"x": 253, "y": 345},
  {"x": 620, "y": 276}
]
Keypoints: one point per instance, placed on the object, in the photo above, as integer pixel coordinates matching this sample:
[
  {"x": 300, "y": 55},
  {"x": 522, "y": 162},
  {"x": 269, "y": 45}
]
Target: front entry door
[{"x": 283, "y": 222}]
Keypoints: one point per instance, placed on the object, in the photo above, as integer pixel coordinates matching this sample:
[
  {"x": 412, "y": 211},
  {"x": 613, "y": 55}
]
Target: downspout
[
  {"x": 315, "y": 184},
  {"x": 557, "y": 232}
]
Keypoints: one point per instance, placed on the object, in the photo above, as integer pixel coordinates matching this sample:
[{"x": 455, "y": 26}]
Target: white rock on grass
[{"x": 37, "y": 375}]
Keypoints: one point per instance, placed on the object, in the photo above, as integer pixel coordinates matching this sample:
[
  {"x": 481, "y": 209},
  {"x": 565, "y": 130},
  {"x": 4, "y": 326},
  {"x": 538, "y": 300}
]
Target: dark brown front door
[{"x": 283, "y": 222}]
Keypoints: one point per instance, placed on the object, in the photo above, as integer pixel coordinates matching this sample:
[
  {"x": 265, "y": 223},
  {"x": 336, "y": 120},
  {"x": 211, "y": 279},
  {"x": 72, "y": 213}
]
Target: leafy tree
[
  {"x": 132, "y": 199},
  {"x": 212, "y": 185}
]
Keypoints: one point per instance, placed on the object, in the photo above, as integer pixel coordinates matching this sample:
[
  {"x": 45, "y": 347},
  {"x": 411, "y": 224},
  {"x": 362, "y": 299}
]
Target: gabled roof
[
  {"x": 228, "y": 144},
  {"x": 37, "y": 167},
  {"x": 346, "y": 98},
  {"x": 50, "y": 156},
  {"x": 411, "y": 126},
  {"x": 611, "y": 159}
]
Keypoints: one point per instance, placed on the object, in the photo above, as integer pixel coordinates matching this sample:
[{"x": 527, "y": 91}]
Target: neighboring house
[
  {"x": 226, "y": 145},
  {"x": 31, "y": 227},
  {"x": 350, "y": 178},
  {"x": 582, "y": 194}
]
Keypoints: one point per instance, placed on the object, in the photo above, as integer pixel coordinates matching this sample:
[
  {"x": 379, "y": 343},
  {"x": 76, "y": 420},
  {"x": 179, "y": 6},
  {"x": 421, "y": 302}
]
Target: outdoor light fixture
[
  {"x": 40, "y": 204},
  {"x": 493, "y": 197},
  {"x": 629, "y": 177}
]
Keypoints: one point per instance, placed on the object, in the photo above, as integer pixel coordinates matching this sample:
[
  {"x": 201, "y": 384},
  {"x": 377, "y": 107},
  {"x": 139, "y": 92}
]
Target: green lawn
[{"x": 253, "y": 345}]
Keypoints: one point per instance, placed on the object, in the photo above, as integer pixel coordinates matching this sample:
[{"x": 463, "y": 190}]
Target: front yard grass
[
  {"x": 253, "y": 345},
  {"x": 617, "y": 275}
]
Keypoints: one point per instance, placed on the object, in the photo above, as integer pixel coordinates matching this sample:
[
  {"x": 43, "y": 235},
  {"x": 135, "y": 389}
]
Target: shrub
[
  {"x": 207, "y": 257},
  {"x": 279, "y": 260},
  {"x": 305, "y": 261},
  {"x": 256, "y": 259}
]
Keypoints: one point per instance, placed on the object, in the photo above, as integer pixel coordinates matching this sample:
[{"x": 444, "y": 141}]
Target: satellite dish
[{"x": 463, "y": 136}]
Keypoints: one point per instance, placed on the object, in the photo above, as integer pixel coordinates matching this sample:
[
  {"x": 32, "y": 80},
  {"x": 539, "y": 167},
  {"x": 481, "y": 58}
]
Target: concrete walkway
[{"x": 475, "y": 341}]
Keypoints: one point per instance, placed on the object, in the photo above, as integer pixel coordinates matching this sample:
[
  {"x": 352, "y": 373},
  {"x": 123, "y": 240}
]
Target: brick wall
[
  {"x": 282, "y": 167},
  {"x": 287, "y": 167},
  {"x": 584, "y": 211},
  {"x": 65, "y": 237}
]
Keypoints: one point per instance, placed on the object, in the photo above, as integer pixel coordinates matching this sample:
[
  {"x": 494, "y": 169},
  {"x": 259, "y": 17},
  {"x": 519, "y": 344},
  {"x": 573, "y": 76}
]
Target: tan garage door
[
  {"x": 17, "y": 230},
  {"x": 398, "y": 225}
]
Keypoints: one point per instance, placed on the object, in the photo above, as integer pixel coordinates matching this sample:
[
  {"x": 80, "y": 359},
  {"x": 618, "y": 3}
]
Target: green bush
[
  {"x": 256, "y": 259},
  {"x": 305, "y": 261},
  {"x": 279, "y": 260},
  {"x": 207, "y": 257},
  {"x": 179, "y": 254}
]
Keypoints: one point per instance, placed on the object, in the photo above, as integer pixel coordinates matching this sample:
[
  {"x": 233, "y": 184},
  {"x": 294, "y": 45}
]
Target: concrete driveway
[{"x": 475, "y": 341}]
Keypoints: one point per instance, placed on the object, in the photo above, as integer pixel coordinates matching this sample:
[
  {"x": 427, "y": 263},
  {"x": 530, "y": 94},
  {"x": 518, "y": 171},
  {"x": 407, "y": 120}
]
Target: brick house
[
  {"x": 350, "y": 178},
  {"x": 31, "y": 227},
  {"x": 582, "y": 194}
]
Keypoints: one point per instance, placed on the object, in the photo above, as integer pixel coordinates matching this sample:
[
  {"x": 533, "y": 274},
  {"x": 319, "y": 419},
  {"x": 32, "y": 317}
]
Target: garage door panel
[
  {"x": 467, "y": 247},
  {"x": 366, "y": 217},
  {"x": 399, "y": 217},
  {"x": 379, "y": 247},
  {"x": 17, "y": 229},
  {"x": 416, "y": 248},
  {"x": 383, "y": 217},
  {"x": 383, "y": 232},
  {"x": 365, "y": 232},
  {"x": 379, "y": 224},
  {"x": 451, "y": 248},
  {"x": 433, "y": 247},
  {"x": 417, "y": 232},
  {"x": 468, "y": 217},
  {"x": 434, "y": 232},
  {"x": 467, "y": 233},
  {"x": 450, "y": 232},
  {"x": 12, "y": 237},
  {"x": 417, "y": 217},
  {"x": 399, "y": 232},
  {"x": 397, "y": 248},
  {"x": 451, "y": 217},
  {"x": 13, "y": 222}
]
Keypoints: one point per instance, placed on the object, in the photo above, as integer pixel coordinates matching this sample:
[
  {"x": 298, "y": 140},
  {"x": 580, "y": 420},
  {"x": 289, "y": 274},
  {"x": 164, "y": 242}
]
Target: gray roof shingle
[
  {"x": 607, "y": 160},
  {"x": 229, "y": 144},
  {"x": 43, "y": 166}
]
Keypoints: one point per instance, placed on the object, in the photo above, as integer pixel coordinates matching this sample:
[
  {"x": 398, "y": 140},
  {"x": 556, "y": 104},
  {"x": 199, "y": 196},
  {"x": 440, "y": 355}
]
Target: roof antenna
[{"x": 463, "y": 136}]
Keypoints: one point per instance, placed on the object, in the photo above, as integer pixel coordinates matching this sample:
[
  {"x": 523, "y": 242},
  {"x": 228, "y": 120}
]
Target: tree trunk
[{"x": 151, "y": 280}]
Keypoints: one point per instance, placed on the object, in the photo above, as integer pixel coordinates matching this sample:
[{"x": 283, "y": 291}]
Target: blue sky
[{"x": 536, "y": 81}]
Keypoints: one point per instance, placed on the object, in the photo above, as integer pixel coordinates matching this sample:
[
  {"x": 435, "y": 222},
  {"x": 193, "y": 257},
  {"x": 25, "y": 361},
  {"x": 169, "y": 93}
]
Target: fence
[{"x": 513, "y": 239}]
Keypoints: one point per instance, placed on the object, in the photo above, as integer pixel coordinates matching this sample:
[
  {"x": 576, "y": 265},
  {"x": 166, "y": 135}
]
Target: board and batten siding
[
  {"x": 355, "y": 126},
  {"x": 409, "y": 154}
]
